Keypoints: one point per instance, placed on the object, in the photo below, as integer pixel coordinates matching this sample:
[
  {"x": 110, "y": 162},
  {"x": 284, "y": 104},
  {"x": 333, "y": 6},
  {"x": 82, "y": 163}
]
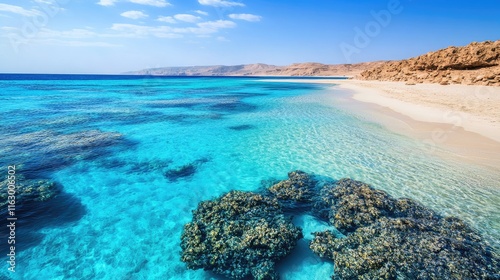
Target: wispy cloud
[
  {"x": 247, "y": 17},
  {"x": 166, "y": 19},
  {"x": 220, "y": 3},
  {"x": 75, "y": 43},
  {"x": 134, "y": 31},
  {"x": 106, "y": 3},
  {"x": 76, "y": 33},
  {"x": 18, "y": 10},
  {"x": 156, "y": 3},
  {"x": 70, "y": 38},
  {"x": 216, "y": 25},
  {"x": 141, "y": 31},
  {"x": 45, "y": 1},
  {"x": 201, "y": 13},
  {"x": 187, "y": 18},
  {"x": 134, "y": 14}
]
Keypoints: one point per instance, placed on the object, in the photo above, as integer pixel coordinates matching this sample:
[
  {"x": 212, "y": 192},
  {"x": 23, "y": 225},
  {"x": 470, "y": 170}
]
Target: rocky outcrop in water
[
  {"x": 238, "y": 235},
  {"x": 476, "y": 63},
  {"x": 244, "y": 234},
  {"x": 295, "y": 192},
  {"x": 397, "y": 239}
]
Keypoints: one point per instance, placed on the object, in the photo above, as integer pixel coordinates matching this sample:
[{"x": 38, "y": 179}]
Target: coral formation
[
  {"x": 240, "y": 234},
  {"x": 243, "y": 234},
  {"x": 28, "y": 190},
  {"x": 397, "y": 239},
  {"x": 50, "y": 150},
  {"x": 184, "y": 171},
  {"x": 242, "y": 127},
  {"x": 295, "y": 192}
]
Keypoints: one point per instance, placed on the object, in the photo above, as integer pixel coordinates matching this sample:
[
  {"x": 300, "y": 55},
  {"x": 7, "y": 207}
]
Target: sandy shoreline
[
  {"x": 455, "y": 120},
  {"x": 474, "y": 108}
]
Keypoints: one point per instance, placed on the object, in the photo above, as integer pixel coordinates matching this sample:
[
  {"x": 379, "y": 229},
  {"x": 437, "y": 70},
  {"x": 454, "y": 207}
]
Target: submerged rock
[
  {"x": 175, "y": 174},
  {"x": 295, "y": 192},
  {"x": 242, "y": 127},
  {"x": 28, "y": 190},
  {"x": 47, "y": 150},
  {"x": 233, "y": 106},
  {"x": 238, "y": 235},
  {"x": 184, "y": 171},
  {"x": 397, "y": 239},
  {"x": 38, "y": 203},
  {"x": 352, "y": 204}
]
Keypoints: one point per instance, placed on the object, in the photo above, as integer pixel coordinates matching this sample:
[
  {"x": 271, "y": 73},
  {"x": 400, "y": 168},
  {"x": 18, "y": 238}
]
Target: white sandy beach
[
  {"x": 462, "y": 121},
  {"x": 474, "y": 108}
]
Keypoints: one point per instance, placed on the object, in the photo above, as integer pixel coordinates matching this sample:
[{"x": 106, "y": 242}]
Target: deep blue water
[{"x": 113, "y": 141}]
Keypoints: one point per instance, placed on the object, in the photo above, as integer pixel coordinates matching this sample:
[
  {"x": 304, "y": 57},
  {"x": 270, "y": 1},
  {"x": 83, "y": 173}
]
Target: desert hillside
[
  {"x": 476, "y": 63},
  {"x": 259, "y": 69}
]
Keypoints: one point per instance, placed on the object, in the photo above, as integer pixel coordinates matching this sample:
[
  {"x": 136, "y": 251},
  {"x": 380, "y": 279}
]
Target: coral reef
[
  {"x": 295, "y": 192},
  {"x": 242, "y": 235},
  {"x": 242, "y": 127},
  {"x": 36, "y": 204},
  {"x": 238, "y": 235},
  {"x": 28, "y": 190},
  {"x": 397, "y": 239},
  {"x": 184, "y": 171},
  {"x": 48, "y": 150}
]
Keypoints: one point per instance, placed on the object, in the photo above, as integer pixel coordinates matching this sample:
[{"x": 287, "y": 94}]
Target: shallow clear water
[{"x": 122, "y": 217}]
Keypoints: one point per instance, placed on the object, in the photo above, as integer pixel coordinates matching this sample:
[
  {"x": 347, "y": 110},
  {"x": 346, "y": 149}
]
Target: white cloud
[
  {"x": 222, "y": 39},
  {"x": 132, "y": 29},
  {"x": 70, "y": 38},
  {"x": 201, "y": 13},
  {"x": 73, "y": 43},
  {"x": 18, "y": 10},
  {"x": 247, "y": 17},
  {"x": 187, "y": 18},
  {"x": 106, "y": 3},
  {"x": 156, "y": 3},
  {"x": 134, "y": 14},
  {"x": 217, "y": 24},
  {"x": 220, "y": 3},
  {"x": 166, "y": 19},
  {"x": 141, "y": 31},
  {"x": 76, "y": 33},
  {"x": 45, "y": 1}
]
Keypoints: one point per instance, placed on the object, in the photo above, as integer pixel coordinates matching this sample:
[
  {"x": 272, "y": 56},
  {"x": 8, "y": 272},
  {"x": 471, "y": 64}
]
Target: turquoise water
[{"x": 122, "y": 217}]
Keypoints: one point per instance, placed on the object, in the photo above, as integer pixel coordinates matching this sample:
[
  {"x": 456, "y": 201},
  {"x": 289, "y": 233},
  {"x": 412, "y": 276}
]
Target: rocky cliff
[{"x": 476, "y": 63}]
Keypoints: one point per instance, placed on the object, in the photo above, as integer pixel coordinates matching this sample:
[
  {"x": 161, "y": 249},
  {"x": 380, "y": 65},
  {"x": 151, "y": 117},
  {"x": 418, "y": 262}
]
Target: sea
[{"x": 134, "y": 155}]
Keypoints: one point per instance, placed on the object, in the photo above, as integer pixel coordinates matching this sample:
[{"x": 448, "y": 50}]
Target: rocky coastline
[{"x": 474, "y": 64}]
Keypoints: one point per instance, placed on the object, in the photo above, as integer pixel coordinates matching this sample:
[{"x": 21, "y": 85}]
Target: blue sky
[{"x": 114, "y": 36}]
